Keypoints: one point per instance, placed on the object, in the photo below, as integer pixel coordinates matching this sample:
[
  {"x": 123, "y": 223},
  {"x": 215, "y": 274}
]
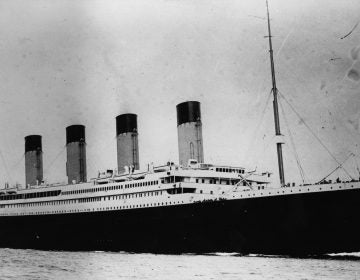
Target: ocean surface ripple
[{"x": 33, "y": 264}]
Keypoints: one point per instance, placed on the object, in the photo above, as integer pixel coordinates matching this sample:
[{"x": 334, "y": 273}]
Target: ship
[{"x": 186, "y": 207}]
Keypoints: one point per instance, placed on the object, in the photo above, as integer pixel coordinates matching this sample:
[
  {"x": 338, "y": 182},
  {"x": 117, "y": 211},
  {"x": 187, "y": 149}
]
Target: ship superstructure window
[
  {"x": 84, "y": 191},
  {"x": 179, "y": 179},
  {"x": 229, "y": 170},
  {"x": 30, "y": 195},
  {"x": 111, "y": 188},
  {"x": 180, "y": 191}
]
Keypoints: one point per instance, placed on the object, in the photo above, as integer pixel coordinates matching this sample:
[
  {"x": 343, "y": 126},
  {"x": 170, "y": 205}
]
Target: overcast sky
[{"x": 85, "y": 62}]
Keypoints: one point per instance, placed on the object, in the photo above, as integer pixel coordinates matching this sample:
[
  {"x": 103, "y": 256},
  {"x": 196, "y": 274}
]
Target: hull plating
[{"x": 301, "y": 224}]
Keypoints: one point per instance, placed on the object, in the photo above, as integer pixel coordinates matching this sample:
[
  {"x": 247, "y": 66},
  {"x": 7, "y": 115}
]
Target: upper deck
[{"x": 158, "y": 181}]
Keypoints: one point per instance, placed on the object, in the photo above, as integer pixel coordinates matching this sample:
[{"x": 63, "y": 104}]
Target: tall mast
[{"x": 275, "y": 104}]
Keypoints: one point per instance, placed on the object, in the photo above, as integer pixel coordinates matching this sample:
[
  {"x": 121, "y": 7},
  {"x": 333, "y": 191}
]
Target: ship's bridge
[
  {"x": 193, "y": 164},
  {"x": 228, "y": 169}
]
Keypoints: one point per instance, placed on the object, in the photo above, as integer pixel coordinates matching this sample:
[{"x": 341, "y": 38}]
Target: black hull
[{"x": 299, "y": 224}]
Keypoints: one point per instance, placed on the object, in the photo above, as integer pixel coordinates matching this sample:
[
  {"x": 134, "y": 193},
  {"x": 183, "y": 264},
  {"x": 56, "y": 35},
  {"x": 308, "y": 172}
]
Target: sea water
[{"x": 33, "y": 264}]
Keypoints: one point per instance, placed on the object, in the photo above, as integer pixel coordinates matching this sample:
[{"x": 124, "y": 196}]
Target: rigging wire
[
  {"x": 340, "y": 166},
  {"x": 266, "y": 146},
  {"x": 90, "y": 163},
  {"x": 91, "y": 166},
  {"x": 261, "y": 85},
  {"x": 18, "y": 162},
  {"x": 296, "y": 155},
  {"x": 302, "y": 83},
  {"x": 354, "y": 134},
  {"x": 253, "y": 137},
  {"x": 357, "y": 166},
  {"x": 284, "y": 42},
  {"x": 54, "y": 160},
  {"x": 5, "y": 166},
  {"x": 264, "y": 110},
  {"x": 313, "y": 133}
]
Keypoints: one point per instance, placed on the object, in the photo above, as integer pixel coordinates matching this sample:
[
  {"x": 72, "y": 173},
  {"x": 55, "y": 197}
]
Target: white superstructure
[{"x": 167, "y": 185}]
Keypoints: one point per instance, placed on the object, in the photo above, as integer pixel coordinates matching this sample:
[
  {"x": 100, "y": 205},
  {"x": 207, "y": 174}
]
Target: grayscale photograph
[{"x": 179, "y": 139}]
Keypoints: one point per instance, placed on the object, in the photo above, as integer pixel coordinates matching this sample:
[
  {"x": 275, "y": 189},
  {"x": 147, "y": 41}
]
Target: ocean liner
[{"x": 176, "y": 208}]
